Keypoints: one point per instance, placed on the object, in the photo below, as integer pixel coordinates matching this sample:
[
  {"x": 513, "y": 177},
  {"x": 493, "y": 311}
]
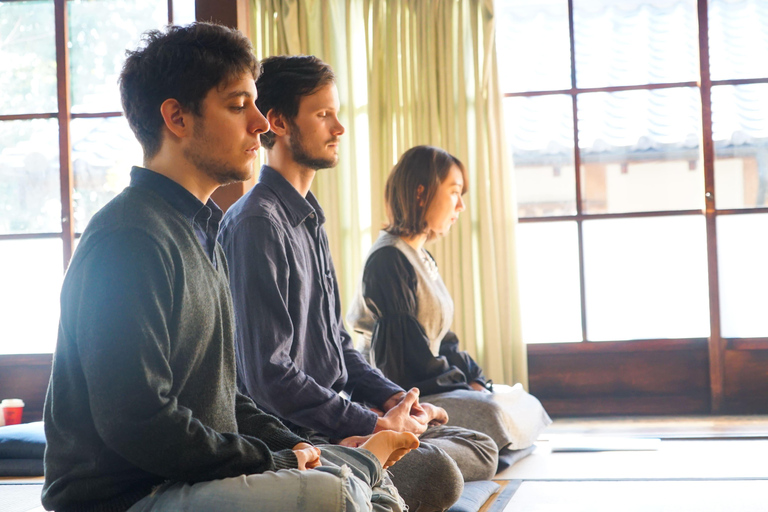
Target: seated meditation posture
[
  {"x": 142, "y": 411},
  {"x": 403, "y": 308},
  {"x": 294, "y": 357}
]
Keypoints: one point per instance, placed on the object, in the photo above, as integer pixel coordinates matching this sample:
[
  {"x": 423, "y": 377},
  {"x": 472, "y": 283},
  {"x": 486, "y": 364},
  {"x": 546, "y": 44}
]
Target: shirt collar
[
  {"x": 174, "y": 194},
  {"x": 299, "y": 209}
]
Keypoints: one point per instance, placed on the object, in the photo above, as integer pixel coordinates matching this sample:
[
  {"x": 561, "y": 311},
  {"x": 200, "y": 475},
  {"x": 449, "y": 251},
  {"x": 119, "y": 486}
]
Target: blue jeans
[{"x": 348, "y": 480}]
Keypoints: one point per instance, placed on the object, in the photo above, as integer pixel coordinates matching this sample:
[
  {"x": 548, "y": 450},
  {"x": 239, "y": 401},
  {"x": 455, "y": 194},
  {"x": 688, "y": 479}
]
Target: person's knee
[
  {"x": 428, "y": 479},
  {"x": 475, "y": 453},
  {"x": 355, "y": 493},
  {"x": 487, "y": 457}
]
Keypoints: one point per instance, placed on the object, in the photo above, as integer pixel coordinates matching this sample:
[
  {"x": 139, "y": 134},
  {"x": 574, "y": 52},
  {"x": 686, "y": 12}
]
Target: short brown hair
[
  {"x": 285, "y": 79},
  {"x": 427, "y": 166}
]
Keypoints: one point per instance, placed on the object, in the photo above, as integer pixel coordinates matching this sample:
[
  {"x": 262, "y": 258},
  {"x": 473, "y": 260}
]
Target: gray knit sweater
[{"x": 143, "y": 383}]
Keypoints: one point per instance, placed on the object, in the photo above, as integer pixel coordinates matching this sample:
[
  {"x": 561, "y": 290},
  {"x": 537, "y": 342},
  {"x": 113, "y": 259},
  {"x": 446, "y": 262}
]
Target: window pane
[
  {"x": 28, "y": 56},
  {"x": 633, "y": 42},
  {"x": 738, "y": 39},
  {"x": 540, "y": 133},
  {"x": 31, "y": 273},
  {"x": 646, "y": 278},
  {"x": 183, "y": 12},
  {"x": 740, "y": 133},
  {"x": 639, "y": 150},
  {"x": 30, "y": 195},
  {"x": 548, "y": 256},
  {"x": 533, "y": 45},
  {"x": 100, "y": 32},
  {"x": 103, "y": 151},
  {"x": 742, "y": 251}
]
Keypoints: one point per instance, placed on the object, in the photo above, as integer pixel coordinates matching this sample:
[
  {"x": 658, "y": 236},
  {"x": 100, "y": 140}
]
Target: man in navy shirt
[{"x": 295, "y": 359}]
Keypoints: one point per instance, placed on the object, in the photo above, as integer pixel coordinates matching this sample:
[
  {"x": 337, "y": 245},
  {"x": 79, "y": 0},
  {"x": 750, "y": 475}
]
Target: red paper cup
[{"x": 12, "y": 410}]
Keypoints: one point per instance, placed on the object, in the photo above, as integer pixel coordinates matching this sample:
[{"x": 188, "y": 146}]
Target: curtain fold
[{"x": 415, "y": 72}]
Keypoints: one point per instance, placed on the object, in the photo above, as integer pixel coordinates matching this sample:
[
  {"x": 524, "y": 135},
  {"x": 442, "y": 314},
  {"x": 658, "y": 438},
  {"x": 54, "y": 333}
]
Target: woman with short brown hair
[{"x": 403, "y": 308}]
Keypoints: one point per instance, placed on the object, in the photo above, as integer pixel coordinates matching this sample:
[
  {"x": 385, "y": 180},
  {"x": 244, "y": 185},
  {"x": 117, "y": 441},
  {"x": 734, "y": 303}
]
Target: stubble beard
[
  {"x": 216, "y": 169},
  {"x": 301, "y": 156}
]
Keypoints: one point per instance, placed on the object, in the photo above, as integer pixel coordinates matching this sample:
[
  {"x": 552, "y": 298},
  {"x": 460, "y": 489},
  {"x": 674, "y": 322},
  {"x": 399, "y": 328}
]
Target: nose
[
  {"x": 258, "y": 124},
  {"x": 338, "y": 128},
  {"x": 460, "y": 206}
]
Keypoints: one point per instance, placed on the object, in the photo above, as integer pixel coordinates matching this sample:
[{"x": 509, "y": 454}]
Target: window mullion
[
  {"x": 716, "y": 349},
  {"x": 577, "y": 172},
  {"x": 65, "y": 142}
]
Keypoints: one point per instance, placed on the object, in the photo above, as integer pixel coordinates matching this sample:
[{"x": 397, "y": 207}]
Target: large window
[
  {"x": 65, "y": 148},
  {"x": 639, "y": 135}
]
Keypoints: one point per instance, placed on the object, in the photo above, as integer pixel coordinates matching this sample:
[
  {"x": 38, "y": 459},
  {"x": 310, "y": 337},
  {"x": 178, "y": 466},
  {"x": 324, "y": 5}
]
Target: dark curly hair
[
  {"x": 425, "y": 166},
  {"x": 183, "y": 63},
  {"x": 283, "y": 80}
]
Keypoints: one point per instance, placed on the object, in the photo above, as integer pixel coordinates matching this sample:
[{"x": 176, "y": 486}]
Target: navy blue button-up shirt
[
  {"x": 294, "y": 356},
  {"x": 204, "y": 218}
]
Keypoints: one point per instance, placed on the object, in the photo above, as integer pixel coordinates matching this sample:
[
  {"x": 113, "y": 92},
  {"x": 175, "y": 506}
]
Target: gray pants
[
  {"x": 349, "y": 480},
  {"x": 431, "y": 478},
  {"x": 475, "y": 411}
]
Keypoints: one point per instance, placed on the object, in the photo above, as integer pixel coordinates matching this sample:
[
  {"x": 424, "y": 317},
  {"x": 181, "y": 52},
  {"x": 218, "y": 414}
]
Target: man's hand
[
  {"x": 478, "y": 387},
  {"x": 400, "y": 418},
  {"x": 307, "y": 455},
  {"x": 391, "y": 402},
  {"x": 435, "y": 415}
]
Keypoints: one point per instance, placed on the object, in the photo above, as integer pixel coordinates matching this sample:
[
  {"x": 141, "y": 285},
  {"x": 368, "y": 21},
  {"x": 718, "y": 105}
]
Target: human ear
[
  {"x": 277, "y": 123},
  {"x": 175, "y": 117}
]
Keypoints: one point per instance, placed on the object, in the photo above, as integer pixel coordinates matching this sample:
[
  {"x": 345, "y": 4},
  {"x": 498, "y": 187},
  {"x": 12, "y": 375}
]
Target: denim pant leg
[
  {"x": 365, "y": 466},
  {"x": 327, "y": 489}
]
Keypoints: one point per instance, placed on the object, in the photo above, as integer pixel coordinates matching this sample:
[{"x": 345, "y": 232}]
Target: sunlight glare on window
[
  {"x": 30, "y": 314},
  {"x": 100, "y": 32},
  {"x": 548, "y": 272},
  {"x": 646, "y": 278},
  {"x": 742, "y": 253}
]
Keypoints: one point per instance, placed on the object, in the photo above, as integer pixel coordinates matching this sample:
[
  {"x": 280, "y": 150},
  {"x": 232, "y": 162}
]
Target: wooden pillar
[{"x": 232, "y": 13}]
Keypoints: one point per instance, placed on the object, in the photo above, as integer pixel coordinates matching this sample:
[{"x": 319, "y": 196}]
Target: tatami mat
[
  {"x": 645, "y": 496},
  {"x": 20, "y": 497},
  {"x": 679, "y": 427},
  {"x": 681, "y": 460}
]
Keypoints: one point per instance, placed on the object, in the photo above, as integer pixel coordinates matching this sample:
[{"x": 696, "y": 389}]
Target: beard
[
  {"x": 301, "y": 155},
  {"x": 200, "y": 155}
]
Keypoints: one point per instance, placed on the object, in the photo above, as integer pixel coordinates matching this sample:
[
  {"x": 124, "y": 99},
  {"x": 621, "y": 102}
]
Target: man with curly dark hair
[{"x": 142, "y": 411}]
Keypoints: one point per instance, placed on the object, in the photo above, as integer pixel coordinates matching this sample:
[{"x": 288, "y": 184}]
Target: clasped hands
[{"x": 402, "y": 413}]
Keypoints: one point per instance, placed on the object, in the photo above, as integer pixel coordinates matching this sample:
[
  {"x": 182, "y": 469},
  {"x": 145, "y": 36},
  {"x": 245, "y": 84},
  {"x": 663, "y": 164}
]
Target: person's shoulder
[
  {"x": 258, "y": 213},
  {"x": 135, "y": 206},
  {"x": 134, "y": 213},
  {"x": 387, "y": 258},
  {"x": 259, "y": 202}
]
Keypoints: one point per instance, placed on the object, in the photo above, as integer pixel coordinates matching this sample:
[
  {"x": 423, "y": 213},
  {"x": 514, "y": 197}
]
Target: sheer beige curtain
[{"x": 417, "y": 72}]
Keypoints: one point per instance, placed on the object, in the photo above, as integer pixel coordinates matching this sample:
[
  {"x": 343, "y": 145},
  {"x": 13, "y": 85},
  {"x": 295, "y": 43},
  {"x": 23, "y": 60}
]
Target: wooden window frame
[
  {"x": 633, "y": 377},
  {"x": 26, "y": 375},
  {"x": 64, "y": 116}
]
